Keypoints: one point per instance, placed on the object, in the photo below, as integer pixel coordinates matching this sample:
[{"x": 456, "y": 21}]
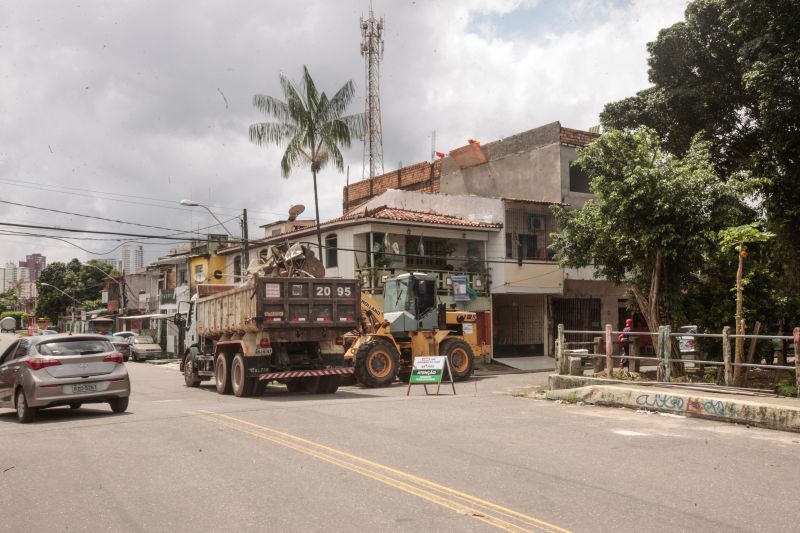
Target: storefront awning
[{"x": 160, "y": 316}]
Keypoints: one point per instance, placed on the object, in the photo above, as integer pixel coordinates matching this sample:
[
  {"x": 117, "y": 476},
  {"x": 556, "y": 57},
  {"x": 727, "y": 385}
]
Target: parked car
[
  {"x": 122, "y": 345},
  {"x": 143, "y": 347},
  {"x": 46, "y": 332},
  {"x": 686, "y": 341},
  {"x": 52, "y": 370}
]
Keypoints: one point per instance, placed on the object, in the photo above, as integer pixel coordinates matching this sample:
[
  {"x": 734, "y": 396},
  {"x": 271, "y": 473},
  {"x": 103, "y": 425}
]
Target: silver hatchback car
[{"x": 51, "y": 370}]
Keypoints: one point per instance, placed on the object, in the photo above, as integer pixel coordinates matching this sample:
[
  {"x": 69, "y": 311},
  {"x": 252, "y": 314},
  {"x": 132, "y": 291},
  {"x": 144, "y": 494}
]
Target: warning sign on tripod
[{"x": 430, "y": 370}]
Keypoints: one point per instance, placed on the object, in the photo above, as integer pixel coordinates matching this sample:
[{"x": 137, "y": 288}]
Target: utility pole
[
  {"x": 372, "y": 50},
  {"x": 245, "y": 251}
]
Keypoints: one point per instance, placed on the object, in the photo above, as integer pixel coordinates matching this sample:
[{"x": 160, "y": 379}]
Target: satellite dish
[
  {"x": 200, "y": 277},
  {"x": 296, "y": 210}
]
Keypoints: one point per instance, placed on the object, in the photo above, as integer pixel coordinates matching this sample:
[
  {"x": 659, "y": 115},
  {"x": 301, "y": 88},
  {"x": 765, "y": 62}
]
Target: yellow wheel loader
[{"x": 411, "y": 324}]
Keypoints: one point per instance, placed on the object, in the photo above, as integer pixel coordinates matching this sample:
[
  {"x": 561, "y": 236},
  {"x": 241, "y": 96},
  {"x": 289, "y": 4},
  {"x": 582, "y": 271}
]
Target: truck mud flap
[{"x": 305, "y": 373}]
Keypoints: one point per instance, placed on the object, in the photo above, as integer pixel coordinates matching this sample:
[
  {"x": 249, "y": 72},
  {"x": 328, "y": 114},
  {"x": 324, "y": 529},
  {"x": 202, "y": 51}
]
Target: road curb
[{"x": 700, "y": 405}]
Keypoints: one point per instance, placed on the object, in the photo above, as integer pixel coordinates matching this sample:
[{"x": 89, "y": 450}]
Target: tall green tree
[
  {"x": 61, "y": 285},
  {"x": 654, "y": 216},
  {"x": 311, "y": 125},
  {"x": 737, "y": 238},
  {"x": 731, "y": 73}
]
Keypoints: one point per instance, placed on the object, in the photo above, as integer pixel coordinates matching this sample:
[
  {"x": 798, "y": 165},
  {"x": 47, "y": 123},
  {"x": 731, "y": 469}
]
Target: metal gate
[{"x": 581, "y": 314}]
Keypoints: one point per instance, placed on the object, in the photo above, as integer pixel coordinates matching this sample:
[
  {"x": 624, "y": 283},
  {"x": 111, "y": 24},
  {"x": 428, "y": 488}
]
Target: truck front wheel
[
  {"x": 222, "y": 373},
  {"x": 189, "y": 372},
  {"x": 241, "y": 384},
  {"x": 376, "y": 363}
]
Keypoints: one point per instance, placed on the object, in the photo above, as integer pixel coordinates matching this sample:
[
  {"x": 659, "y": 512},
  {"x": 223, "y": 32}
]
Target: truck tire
[
  {"x": 459, "y": 356},
  {"x": 190, "y": 377},
  {"x": 376, "y": 363},
  {"x": 296, "y": 385},
  {"x": 241, "y": 384},
  {"x": 404, "y": 375},
  {"x": 222, "y": 373}
]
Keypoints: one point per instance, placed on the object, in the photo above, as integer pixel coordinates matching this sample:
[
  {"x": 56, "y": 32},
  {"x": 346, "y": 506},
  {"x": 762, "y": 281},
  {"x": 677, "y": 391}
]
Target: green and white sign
[{"x": 428, "y": 370}]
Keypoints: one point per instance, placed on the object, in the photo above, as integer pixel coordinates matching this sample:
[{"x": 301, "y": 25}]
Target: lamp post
[
  {"x": 245, "y": 252},
  {"x": 68, "y": 296}
]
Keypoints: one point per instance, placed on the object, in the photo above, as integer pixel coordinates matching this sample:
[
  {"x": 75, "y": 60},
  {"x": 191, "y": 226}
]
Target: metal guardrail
[{"x": 663, "y": 350}]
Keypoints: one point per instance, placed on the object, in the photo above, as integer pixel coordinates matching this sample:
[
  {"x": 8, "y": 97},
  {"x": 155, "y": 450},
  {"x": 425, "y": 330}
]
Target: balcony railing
[
  {"x": 167, "y": 297},
  {"x": 372, "y": 279}
]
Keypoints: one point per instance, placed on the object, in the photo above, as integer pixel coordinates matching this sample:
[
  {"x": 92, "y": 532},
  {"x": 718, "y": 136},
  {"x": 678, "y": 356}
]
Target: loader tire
[
  {"x": 376, "y": 363},
  {"x": 222, "y": 373},
  {"x": 241, "y": 384},
  {"x": 460, "y": 357}
]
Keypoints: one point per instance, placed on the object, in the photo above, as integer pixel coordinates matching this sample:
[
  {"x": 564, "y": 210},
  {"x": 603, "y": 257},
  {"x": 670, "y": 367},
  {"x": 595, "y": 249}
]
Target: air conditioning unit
[{"x": 536, "y": 222}]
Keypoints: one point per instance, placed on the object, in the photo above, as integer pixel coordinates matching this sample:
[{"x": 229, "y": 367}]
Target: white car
[{"x": 686, "y": 342}]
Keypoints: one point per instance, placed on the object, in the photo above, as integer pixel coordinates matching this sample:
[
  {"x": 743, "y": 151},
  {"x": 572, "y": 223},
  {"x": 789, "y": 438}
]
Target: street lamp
[
  {"x": 245, "y": 252},
  {"x": 68, "y": 296}
]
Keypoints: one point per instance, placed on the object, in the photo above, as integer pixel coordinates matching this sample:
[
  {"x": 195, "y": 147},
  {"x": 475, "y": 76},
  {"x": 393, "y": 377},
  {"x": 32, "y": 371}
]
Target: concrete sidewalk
[{"x": 762, "y": 411}]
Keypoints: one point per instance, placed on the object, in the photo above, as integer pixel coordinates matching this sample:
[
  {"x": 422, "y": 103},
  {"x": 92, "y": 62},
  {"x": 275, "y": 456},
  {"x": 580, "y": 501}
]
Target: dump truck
[
  {"x": 275, "y": 328},
  {"x": 411, "y": 323}
]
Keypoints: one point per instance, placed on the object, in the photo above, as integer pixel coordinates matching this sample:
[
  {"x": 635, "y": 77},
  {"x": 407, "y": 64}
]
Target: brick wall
[
  {"x": 422, "y": 177},
  {"x": 577, "y": 137}
]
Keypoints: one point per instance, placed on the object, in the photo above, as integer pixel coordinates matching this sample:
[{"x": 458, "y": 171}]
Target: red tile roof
[{"x": 404, "y": 215}]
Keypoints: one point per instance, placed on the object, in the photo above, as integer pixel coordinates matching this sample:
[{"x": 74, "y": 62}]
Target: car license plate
[{"x": 84, "y": 387}]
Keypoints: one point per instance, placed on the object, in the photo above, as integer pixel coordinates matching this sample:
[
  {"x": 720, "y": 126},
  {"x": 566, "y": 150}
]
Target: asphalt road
[{"x": 362, "y": 460}]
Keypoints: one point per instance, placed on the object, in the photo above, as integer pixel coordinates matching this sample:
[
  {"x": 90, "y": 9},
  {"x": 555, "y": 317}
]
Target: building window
[
  {"x": 331, "y": 253},
  {"x": 523, "y": 246},
  {"x": 237, "y": 266},
  {"x": 199, "y": 274},
  {"x": 578, "y": 179},
  {"x": 424, "y": 252}
]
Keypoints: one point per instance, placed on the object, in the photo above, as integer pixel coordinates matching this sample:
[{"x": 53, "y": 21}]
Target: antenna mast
[{"x": 372, "y": 51}]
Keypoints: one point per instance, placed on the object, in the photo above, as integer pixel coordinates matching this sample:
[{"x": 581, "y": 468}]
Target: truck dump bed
[{"x": 300, "y": 305}]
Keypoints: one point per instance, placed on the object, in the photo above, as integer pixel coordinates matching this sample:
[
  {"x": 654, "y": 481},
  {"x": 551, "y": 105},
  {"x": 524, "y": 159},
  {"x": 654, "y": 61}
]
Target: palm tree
[{"x": 311, "y": 125}]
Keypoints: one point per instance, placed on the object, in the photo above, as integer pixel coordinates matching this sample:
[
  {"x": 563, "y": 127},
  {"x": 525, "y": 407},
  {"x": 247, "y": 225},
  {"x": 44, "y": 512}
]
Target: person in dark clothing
[{"x": 624, "y": 341}]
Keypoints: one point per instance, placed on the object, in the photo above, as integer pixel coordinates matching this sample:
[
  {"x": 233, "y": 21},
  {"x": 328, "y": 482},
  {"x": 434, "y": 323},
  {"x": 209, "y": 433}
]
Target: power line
[
  {"x": 98, "y": 232},
  {"x": 62, "y": 189},
  {"x": 89, "y": 216}
]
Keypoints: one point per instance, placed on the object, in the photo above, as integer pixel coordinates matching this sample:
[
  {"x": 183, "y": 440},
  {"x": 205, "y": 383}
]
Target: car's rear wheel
[
  {"x": 75, "y": 405},
  {"x": 25, "y": 413},
  {"x": 119, "y": 405}
]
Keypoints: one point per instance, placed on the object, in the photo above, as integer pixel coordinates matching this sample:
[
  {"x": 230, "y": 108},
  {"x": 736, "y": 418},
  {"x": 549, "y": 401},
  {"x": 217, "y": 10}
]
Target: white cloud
[{"x": 130, "y": 97}]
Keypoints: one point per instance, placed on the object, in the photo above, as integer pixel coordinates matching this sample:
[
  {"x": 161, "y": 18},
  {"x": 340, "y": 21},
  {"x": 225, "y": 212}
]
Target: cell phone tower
[{"x": 372, "y": 51}]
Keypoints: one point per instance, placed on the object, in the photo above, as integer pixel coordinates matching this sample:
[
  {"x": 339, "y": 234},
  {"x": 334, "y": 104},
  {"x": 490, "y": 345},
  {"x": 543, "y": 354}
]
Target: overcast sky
[{"x": 120, "y": 109}]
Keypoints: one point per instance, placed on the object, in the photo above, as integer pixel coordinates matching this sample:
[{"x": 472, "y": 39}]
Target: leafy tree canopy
[
  {"x": 731, "y": 72},
  {"x": 61, "y": 285},
  {"x": 654, "y": 217}
]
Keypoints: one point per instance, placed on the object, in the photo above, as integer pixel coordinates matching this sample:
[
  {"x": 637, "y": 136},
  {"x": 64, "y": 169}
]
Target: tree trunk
[
  {"x": 316, "y": 208},
  {"x": 739, "y": 353},
  {"x": 648, "y": 305}
]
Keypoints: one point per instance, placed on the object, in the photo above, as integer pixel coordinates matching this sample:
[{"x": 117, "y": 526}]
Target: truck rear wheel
[
  {"x": 322, "y": 384},
  {"x": 376, "y": 363},
  {"x": 222, "y": 373},
  {"x": 459, "y": 356},
  {"x": 241, "y": 384}
]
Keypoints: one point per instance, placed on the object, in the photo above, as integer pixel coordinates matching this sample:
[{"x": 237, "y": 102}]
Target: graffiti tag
[{"x": 664, "y": 401}]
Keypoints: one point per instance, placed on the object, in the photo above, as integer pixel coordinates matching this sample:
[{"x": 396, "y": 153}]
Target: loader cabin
[{"x": 409, "y": 304}]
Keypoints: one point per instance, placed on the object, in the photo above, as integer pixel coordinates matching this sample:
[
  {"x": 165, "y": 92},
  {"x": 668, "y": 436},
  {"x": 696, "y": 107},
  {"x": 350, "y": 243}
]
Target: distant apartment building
[
  {"x": 112, "y": 262},
  {"x": 35, "y": 263},
  {"x": 132, "y": 257}
]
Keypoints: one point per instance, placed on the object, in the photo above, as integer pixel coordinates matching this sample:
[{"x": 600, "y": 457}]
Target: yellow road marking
[{"x": 409, "y": 483}]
